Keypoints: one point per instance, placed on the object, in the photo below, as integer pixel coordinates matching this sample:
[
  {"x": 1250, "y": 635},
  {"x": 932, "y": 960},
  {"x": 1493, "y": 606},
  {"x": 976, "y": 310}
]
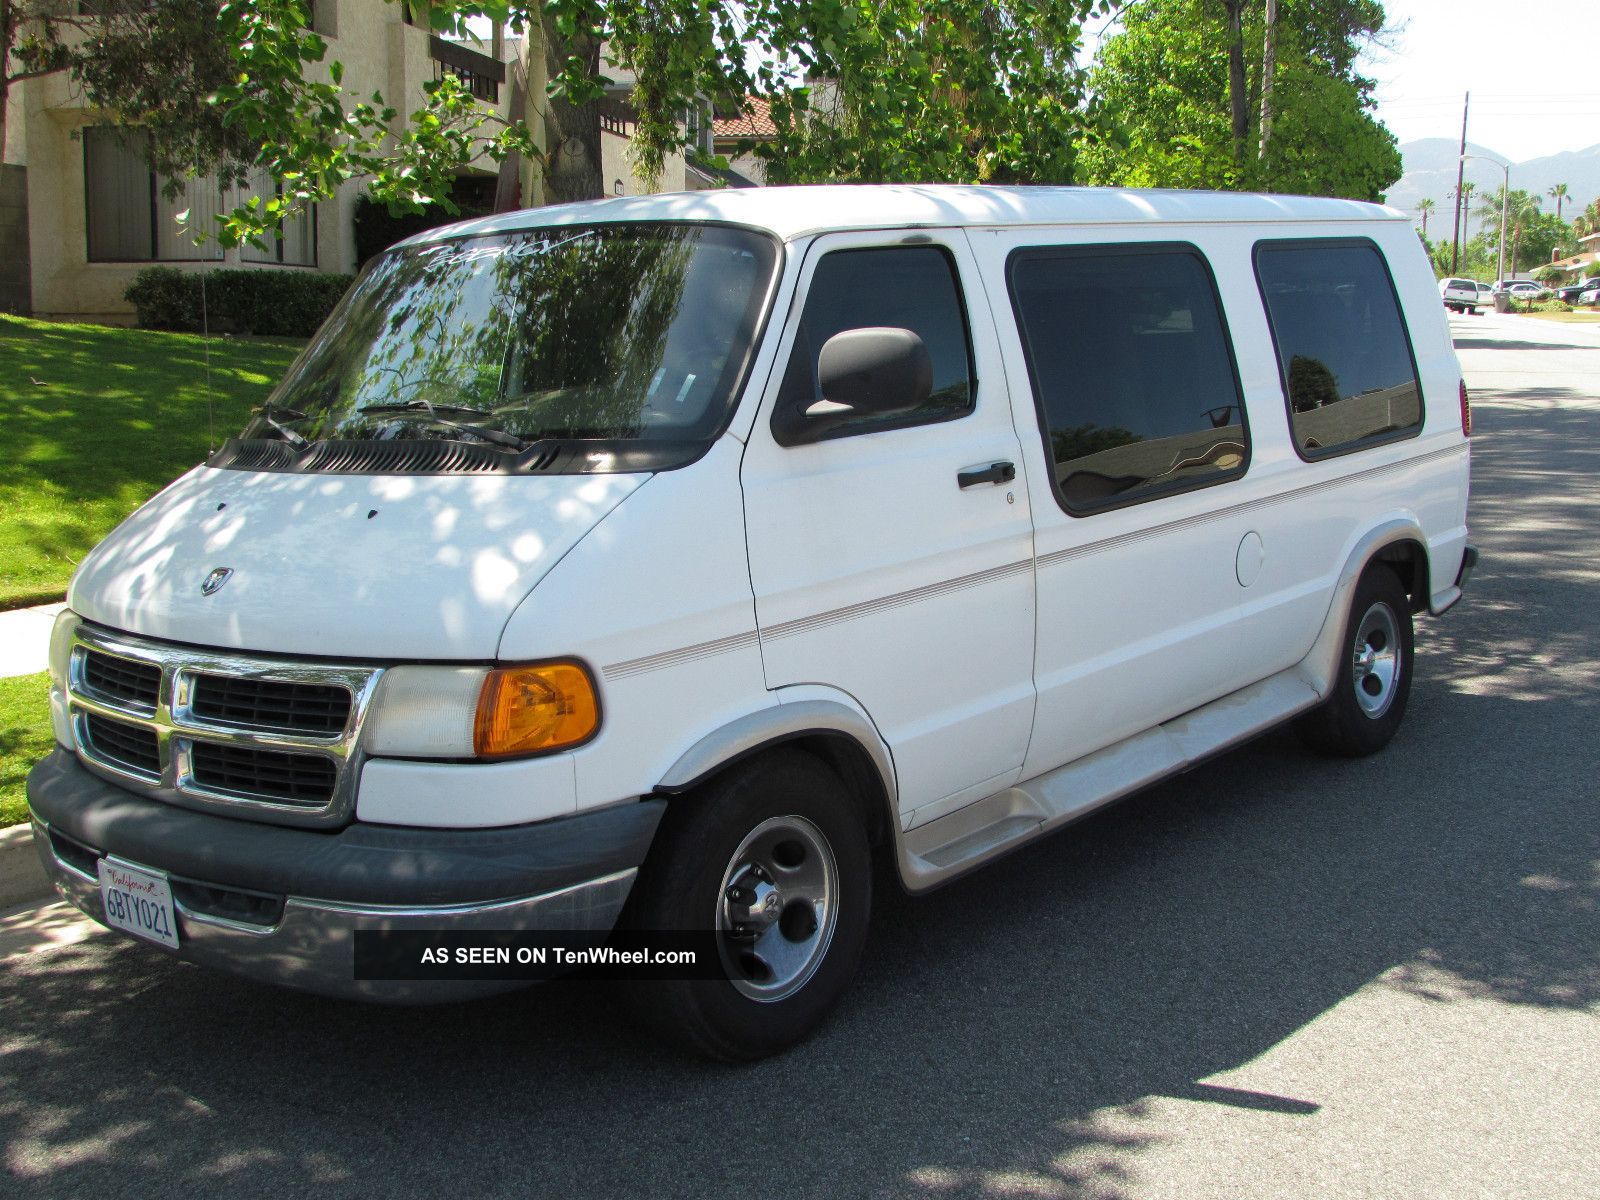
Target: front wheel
[
  {"x": 1369, "y": 696},
  {"x": 773, "y": 858}
]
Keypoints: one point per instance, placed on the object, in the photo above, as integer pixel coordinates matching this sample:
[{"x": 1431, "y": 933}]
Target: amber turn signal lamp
[
  {"x": 526, "y": 710},
  {"x": 1466, "y": 411}
]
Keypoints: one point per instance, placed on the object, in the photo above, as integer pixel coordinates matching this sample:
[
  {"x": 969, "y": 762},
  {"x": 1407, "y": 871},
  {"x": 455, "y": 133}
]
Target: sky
[{"x": 1531, "y": 66}]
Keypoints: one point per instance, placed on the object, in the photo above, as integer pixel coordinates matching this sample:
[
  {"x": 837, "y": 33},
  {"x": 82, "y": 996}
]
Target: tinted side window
[
  {"x": 907, "y": 287},
  {"x": 1132, "y": 371},
  {"x": 1342, "y": 346}
]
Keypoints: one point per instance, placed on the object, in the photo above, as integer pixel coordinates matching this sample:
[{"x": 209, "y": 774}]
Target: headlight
[
  {"x": 475, "y": 712},
  {"x": 61, "y": 633},
  {"x": 424, "y": 712}
]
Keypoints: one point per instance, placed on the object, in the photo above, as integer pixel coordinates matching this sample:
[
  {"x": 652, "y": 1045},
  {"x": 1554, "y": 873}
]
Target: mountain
[{"x": 1430, "y": 170}]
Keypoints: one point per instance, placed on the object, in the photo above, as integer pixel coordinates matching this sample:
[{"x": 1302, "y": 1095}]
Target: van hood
[{"x": 353, "y": 566}]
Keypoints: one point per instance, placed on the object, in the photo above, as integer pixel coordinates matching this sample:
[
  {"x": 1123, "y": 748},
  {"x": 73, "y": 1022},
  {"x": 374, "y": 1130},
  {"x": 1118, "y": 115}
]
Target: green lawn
[
  {"x": 1578, "y": 316},
  {"x": 94, "y": 421},
  {"x": 24, "y": 739}
]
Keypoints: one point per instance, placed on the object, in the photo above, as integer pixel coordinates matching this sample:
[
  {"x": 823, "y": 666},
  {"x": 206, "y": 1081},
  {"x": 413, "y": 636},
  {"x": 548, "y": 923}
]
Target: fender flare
[
  {"x": 785, "y": 721},
  {"x": 1321, "y": 666}
]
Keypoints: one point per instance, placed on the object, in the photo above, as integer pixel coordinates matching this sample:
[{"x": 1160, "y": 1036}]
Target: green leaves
[
  {"x": 861, "y": 90},
  {"x": 1166, "y": 76},
  {"x": 949, "y": 90}
]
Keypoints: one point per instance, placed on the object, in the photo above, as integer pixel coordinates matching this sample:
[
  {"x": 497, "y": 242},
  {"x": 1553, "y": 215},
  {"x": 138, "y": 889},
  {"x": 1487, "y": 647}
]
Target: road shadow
[{"x": 1474, "y": 342}]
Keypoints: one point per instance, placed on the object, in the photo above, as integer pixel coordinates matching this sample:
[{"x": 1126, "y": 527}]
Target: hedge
[{"x": 273, "y": 303}]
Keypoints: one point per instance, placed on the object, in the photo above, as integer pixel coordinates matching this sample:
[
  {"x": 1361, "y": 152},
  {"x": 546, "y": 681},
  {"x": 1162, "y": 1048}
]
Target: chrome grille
[
  {"x": 248, "y": 735},
  {"x": 265, "y": 774},
  {"x": 130, "y": 746},
  {"x": 314, "y": 708},
  {"x": 125, "y": 679}
]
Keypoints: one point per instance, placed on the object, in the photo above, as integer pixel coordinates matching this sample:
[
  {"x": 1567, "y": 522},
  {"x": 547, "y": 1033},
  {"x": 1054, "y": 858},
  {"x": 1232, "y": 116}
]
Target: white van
[{"x": 657, "y": 560}]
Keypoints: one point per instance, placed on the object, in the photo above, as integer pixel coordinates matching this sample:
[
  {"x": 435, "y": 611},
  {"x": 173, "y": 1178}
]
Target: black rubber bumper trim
[
  {"x": 360, "y": 864},
  {"x": 1469, "y": 561}
]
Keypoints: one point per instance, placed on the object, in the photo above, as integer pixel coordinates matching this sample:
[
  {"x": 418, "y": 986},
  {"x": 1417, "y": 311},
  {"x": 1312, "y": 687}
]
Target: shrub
[{"x": 274, "y": 303}]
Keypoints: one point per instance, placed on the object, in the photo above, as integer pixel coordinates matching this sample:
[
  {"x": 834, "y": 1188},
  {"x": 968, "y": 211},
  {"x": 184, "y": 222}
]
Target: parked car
[
  {"x": 1572, "y": 292},
  {"x": 1460, "y": 295},
  {"x": 1591, "y": 296},
  {"x": 1523, "y": 289},
  {"x": 651, "y": 563}
]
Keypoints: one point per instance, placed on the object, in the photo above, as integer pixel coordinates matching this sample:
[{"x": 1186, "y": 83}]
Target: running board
[{"x": 952, "y": 845}]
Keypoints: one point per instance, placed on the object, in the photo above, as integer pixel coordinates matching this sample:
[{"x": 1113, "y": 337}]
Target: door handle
[{"x": 1000, "y": 472}]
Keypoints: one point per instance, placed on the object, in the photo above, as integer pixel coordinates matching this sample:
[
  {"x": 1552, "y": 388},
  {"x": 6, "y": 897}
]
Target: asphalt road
[{"x": 1278, "y": 976}]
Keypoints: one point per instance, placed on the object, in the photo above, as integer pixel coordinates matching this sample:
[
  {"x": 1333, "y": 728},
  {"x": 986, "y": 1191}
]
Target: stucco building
[{"x": 81, "y": 213}]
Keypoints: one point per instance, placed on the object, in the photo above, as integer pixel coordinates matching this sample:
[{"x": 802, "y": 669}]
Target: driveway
[{"x": 1276, "y": 976}]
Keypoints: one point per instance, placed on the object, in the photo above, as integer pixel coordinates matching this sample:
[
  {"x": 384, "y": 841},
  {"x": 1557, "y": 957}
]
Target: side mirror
[{"x": 875, "y": 371}]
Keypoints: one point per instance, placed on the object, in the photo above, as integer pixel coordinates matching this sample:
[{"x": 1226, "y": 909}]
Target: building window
[{"x": 130, "y": 219}]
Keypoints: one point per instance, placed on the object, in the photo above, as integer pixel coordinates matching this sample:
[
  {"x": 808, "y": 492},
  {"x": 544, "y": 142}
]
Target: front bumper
[{"x": 282, "y": 905}]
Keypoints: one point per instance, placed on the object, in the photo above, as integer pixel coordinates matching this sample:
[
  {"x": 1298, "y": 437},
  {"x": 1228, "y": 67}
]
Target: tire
[
  {"x": 1369, "y": 696},
  {"x": 773, "y": 855}
]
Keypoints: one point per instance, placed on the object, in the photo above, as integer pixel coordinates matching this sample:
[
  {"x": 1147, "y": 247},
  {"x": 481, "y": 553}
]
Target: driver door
[{"x": 877, "y": 571}]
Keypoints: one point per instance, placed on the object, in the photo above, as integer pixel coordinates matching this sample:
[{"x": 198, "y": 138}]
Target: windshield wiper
[
  {"x": 431, "y": 412},
  {"x": 267, "y": 415}
]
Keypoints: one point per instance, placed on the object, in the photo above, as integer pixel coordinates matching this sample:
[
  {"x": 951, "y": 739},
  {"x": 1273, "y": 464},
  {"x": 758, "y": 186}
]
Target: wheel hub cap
[
  {"x": 778, "y": 907},
  {"x": 1376, "y": 661}
]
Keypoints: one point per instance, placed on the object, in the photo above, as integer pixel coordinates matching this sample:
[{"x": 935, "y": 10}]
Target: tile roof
[{"x": 754, "y": 122}]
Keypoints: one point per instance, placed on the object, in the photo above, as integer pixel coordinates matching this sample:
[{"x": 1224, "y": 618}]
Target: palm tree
[
  {"x": 1425, "y": 207},
  {"x": 1465, "y": 196},
  {"x": 1523, "y": 207},
  {"x": 1558, "y": 194}
]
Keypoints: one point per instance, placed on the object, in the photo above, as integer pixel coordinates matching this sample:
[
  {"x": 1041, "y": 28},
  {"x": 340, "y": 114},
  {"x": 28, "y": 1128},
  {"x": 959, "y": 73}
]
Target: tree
[
  {"x": 153, "y": 65},
  {"x": 951, "y": 89},
  {"x": 1532, "y": 233},
  {"x": 1269, "y": 70},
  {"x": 1588, "y": 221},
  {"x": 968, "y": 91},
  {"x": 1467, "y": 188},
  {"x": 1238, "y": 96},
  {"x": 1521, "y": 213},
  {"x": 1425, "y": 207},
  {"x": 1558, "y": 193},
  {"x": 1168, "y": 80}
]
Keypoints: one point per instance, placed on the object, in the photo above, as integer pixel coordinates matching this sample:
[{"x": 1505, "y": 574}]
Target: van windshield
[{"x": 518, "y": 342}]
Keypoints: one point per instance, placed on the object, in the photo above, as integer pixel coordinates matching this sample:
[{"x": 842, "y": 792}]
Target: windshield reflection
[{"x": 601, "y": 332}]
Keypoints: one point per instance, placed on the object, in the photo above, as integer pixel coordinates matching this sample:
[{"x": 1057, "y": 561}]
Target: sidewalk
[
  {"x": 25, "y": 650},
  {"x": 43, "y": 925},
  {"x": 25, "y": 639}
]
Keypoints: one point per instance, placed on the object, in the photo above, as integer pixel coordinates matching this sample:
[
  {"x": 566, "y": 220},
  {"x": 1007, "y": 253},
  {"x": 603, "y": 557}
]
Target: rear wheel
[
  {"x": 1369, "y": 697},
  {"x": 773, "y": 858}
]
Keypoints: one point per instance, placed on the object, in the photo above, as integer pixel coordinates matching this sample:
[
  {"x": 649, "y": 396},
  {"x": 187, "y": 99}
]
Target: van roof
[{"x": 792, "y": 212}]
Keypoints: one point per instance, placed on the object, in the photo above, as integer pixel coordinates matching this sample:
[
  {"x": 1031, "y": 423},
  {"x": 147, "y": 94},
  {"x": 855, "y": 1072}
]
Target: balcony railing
[
  {"x": 478, "y": 72},
  {"x": 617, "y": 116}
]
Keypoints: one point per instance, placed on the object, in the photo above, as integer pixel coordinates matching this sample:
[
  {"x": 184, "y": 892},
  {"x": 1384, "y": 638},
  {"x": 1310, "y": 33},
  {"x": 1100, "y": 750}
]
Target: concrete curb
[{"x": 22, "y": 877}]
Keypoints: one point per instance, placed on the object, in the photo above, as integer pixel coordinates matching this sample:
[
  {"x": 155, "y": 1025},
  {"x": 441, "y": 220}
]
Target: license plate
[{"x": 138, "y": 902}]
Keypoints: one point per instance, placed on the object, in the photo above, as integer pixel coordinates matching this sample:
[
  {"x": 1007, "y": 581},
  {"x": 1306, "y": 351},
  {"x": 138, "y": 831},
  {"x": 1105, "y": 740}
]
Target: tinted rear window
[
  {"x": 1343, "y": 351},
  {"x": 1132, "y": 371}
]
